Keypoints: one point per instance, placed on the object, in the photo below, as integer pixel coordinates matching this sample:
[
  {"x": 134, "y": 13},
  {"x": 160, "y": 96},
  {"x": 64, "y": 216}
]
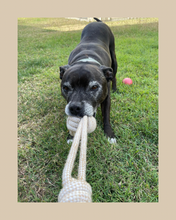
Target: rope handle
[{"x": 77, "y": 190}]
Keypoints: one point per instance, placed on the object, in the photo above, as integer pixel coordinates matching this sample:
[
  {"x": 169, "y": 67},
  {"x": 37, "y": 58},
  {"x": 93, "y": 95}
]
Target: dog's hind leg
[
  {"x": 114, "y": 67},
  {"x": 114, "y": 64}
]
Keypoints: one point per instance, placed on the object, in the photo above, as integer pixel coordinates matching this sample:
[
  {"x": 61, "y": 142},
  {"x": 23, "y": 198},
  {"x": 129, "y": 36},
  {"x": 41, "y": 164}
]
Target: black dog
[{"x": 86, "y": 79}]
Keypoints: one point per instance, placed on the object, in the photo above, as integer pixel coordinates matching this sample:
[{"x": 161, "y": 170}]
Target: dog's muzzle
[{"x": 79, "y": 109}]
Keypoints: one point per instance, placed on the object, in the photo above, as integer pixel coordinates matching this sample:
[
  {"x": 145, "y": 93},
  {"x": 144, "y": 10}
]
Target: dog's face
[{"x": 84, "y": 87}]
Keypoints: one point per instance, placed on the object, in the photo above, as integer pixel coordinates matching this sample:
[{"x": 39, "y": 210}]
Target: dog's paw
[
  {"x": 70, "y": 141},
  {"x": 112, "y": 140}
]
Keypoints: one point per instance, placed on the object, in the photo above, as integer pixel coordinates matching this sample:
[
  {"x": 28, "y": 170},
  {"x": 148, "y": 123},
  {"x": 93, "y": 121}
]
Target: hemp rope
[{"x": 77, "y": 190}]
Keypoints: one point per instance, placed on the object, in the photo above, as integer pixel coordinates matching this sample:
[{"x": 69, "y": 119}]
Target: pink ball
[{"x": 127, "y": 81}]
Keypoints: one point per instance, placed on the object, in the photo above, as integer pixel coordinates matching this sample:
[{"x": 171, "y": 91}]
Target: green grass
[{"x": 125, "y": 172}]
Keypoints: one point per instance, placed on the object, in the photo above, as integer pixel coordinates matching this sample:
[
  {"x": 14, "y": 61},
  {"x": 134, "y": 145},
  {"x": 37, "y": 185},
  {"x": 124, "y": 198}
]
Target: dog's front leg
[{"x": 105, "y": 108}]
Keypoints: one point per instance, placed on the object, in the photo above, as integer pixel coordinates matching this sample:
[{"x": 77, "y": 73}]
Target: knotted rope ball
[
  {"x": 77, "y": 190},
  {"x": 72, "y": 124}
]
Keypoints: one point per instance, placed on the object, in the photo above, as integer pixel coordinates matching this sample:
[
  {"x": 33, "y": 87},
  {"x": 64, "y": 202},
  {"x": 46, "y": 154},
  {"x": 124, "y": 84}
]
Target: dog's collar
[{"x": 89, "y": 59}]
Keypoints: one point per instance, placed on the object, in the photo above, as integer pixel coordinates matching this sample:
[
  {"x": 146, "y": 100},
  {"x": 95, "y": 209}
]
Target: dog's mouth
[{"x": 80, "y": 109}]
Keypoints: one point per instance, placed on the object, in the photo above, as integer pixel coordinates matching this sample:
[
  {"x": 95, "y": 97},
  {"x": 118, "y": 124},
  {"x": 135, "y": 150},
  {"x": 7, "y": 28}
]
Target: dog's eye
[
  {"x": 65, "y": 88},
  {"x": 95, "y": 87}
]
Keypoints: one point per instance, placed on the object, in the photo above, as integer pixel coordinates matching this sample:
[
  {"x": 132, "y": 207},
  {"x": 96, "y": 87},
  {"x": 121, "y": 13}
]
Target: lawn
[{"x": 125, "y": 172}]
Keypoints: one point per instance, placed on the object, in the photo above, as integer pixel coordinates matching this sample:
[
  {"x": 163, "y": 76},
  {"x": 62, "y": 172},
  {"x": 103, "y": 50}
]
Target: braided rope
[{"x": 77, "y": 190}]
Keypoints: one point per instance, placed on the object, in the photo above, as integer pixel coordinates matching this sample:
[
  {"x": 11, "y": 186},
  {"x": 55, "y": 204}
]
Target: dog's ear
[
  {"x": 108, "y": 72},
  {"x": 63, "y": 69}
]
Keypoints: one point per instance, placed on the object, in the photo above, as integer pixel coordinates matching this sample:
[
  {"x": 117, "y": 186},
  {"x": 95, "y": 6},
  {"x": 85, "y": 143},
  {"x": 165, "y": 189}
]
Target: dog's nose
[{"x": 75, "y": 108}]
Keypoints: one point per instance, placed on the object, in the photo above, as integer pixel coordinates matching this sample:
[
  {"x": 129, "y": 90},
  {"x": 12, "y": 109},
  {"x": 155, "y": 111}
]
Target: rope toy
[{"x": 77, "y": 190}]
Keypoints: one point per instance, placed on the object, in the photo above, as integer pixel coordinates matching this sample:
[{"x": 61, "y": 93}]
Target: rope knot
[
  {"x": 73, "y": 122},
  {"x": 76, "y": 191}
]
